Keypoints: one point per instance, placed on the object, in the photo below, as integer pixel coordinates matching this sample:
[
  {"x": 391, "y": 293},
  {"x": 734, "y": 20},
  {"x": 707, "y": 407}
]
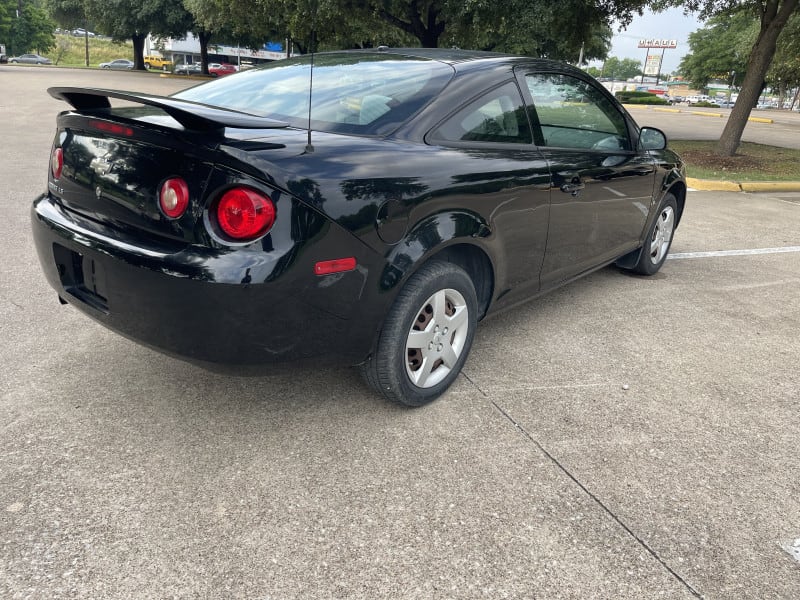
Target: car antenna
[{"x": 309, "y": 147}]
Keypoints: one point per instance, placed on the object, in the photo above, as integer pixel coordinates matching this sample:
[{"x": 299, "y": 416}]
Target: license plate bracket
[{"x": 82, "y": 277}]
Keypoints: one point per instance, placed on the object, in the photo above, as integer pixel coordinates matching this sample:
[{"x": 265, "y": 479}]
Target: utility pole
[{"x": 86, "y": 39}]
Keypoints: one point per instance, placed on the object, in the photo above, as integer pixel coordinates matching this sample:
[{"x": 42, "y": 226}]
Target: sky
[{"x": 671, "y": 24}]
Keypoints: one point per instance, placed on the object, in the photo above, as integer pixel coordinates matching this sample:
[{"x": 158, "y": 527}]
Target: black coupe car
[{"x": 367, "y": 210}]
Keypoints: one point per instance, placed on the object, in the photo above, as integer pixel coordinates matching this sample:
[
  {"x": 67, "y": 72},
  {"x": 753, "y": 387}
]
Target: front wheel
[
  {"x": 426, "y": 336},
  {"x": 659, "y": 238}
]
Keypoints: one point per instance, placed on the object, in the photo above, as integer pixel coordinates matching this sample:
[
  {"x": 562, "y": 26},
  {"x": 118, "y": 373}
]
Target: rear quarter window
[
  {"x": 496, "y": 117},
  {"x": 370, "y": 94}
]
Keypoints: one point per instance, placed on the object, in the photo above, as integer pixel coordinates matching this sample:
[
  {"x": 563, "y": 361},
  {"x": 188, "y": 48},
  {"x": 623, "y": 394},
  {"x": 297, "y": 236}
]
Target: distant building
[{"x": 187, "y": 51}]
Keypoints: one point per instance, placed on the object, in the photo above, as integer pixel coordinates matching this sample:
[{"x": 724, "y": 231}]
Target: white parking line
[{"x": 749, "y": 252}]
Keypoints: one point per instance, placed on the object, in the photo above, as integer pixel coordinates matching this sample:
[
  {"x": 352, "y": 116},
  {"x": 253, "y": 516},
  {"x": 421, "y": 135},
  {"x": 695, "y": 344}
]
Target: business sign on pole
[
  {"x": 653, "y": 43},
  {"x": 653, "y": 64}
]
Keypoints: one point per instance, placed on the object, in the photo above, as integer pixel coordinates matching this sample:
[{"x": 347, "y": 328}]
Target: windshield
[{"x": 363, "y": 93}]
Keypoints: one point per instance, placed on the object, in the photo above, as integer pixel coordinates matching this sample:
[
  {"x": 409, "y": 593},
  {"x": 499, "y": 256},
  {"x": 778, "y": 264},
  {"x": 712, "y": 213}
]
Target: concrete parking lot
[
  {"x": 622, "y": 437},
  {"x": 707, "y": 124}
]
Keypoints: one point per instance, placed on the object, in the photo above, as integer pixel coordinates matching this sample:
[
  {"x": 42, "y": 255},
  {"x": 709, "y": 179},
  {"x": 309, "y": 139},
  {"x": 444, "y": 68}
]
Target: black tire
[
  {"x": 438, "y": 305},
  {"x": 659, "y": 238}
]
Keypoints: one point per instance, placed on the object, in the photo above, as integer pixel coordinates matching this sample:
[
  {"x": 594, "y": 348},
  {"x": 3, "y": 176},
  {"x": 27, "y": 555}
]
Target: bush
[
  {"x": 639, "y": 98},
  {"x": 705, "y": 105},
  {"x": 631, "y": 94}
]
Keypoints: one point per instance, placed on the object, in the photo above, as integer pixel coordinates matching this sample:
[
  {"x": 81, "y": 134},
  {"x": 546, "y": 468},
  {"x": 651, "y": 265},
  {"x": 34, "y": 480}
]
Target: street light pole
[{"x": 86, "y": 39}]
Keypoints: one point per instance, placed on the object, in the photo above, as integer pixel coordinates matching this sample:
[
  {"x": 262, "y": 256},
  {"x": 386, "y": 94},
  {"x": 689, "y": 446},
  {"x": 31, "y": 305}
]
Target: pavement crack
[
  {"x": 475, "y": 385},
  {"x": 598, "y": 501}
]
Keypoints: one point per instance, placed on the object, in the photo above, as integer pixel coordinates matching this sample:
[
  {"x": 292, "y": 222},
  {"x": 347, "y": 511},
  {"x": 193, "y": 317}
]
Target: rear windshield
[{"x": 369, "y": 93}]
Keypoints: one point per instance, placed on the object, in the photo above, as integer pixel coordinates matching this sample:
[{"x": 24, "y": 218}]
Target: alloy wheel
[{"x": 437, "y": 338}]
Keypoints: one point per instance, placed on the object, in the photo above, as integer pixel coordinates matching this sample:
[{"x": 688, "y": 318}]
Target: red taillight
[
  {"x": 174, "y": 197},
  {"x": 112, "y": 128},
  {"x": 57, "y": 163},
  {"x": 338, "y": 265},
  {"x": 244, "y": 214}
]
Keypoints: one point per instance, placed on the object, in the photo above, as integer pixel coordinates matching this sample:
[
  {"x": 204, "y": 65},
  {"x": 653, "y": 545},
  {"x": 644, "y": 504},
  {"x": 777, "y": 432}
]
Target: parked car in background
[
  {"x": 3, "y": 58},
  {"x": 221, "y": 69},
  {"x": 188, "y": 69},
  {"x": 120, "y": 64},
  {"x": 31, "y": 59},
  {"x": 80, "y": 32},
  {"x": 157, "y": 62},
  {"x": 232, "y": 226},
  {"x": 696, "y": 99}
]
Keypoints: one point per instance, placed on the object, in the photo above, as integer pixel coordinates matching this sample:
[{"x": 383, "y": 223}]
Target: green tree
[
  {"x": 773, "y": 16},
  {"x": 25, "y": 26},
  {"x": 784, "y": 74},
  {"x": 577, "y": 28},
  {"x": 520, "y": 26},
  {"x": 135, "y": 19},
  {"x": 208, "y": 22},
  {"x": 7, "y": 8},
  {"x": 719, "y": 48},
  {"x": 324, "y": 24},
  {"x": 625, "y": 68},
  {"x": 70, "y": 14}
]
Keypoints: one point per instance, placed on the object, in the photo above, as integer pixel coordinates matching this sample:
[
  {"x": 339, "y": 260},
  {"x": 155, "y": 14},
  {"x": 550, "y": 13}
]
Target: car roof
[
  {"x": 467, "y": 59},
  {"x": 447, "y": 55}
]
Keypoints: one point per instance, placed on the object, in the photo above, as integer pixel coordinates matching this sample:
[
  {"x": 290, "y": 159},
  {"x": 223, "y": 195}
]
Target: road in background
[
  {"x": 622, "y": 437},
  {"x": 707, "y": 124}
]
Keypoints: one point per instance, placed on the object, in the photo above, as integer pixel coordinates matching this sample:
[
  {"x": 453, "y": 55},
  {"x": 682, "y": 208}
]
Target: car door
[
  {"x": 496, "y": 171},
  {"x": 601, "y": 187}
]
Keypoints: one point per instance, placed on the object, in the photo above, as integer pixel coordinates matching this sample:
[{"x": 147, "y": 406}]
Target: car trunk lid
[{"x": 115, "y": 160}]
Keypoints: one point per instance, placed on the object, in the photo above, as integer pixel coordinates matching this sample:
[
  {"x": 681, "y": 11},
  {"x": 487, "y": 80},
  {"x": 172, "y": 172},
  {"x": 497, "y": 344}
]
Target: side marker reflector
[{"x": 338, "y": 265}]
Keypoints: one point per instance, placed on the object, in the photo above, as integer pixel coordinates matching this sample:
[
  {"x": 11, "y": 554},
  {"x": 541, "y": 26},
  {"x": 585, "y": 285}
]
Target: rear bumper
[{"x": 232, "y": 309}]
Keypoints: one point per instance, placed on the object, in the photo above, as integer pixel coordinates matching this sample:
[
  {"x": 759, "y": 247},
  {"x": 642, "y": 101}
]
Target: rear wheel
[
  {"x": 659, "y": 239},
  {"x": 426, "y": 336}
]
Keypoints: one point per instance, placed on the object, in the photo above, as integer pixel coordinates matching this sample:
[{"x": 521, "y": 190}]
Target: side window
[
  {"x": 497, "y": 116},
  {"x": 572, "y": 113}
]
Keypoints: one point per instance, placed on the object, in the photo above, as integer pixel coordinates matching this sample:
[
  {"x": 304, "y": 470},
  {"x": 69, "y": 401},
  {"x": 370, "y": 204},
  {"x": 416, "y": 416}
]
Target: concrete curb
[
  {"x": 699, "y": 113},
  {"x": 709, "y": 185},
  {"x": 771, "y": 186}
]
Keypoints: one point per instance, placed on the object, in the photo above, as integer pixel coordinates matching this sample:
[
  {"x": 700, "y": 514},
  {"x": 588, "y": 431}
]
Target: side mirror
[{"x": 651, "y": 138}]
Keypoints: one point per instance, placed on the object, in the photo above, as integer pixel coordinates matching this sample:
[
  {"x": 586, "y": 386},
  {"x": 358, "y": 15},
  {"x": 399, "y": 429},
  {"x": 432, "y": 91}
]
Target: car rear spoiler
[{"x": 192, "y": 115}]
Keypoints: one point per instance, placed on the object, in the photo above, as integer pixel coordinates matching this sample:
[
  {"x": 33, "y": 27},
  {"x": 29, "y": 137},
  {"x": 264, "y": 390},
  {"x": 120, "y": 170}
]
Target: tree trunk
[
  {"x": 138, "y": 51},
  {"x": 423, "y": 23},
  {"x": 204, "y": 37},
  {"x": 773, "y": 19}
]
